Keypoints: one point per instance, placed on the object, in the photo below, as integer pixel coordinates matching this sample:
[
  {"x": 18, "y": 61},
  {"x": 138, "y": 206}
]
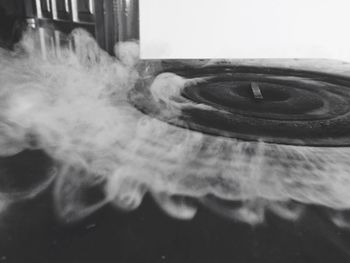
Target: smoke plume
[{"x": 73, "y": 105}]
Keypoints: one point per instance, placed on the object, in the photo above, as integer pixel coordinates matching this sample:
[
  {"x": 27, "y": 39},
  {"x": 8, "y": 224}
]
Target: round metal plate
[{"x": 291, "y": 106}]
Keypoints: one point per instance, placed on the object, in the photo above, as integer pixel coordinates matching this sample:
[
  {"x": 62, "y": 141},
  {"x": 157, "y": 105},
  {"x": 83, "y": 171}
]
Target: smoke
[{"x": 73, "y": 105}]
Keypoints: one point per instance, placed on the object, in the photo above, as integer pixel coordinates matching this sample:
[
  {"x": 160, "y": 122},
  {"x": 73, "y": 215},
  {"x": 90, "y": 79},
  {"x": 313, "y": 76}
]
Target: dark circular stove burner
[{"x": 273, "y": 105}]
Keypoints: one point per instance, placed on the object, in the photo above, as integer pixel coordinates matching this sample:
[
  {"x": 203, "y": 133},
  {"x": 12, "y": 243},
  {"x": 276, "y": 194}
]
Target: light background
[{"x": 245, "y": 29}]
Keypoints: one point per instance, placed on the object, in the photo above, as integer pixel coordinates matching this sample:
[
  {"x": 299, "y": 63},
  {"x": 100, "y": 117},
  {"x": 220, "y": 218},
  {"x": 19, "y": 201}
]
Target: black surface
[
  {"x": 299, "y": 107},
  {"x": 17, "y": 184},
  {"x": 31, "y": 232}
]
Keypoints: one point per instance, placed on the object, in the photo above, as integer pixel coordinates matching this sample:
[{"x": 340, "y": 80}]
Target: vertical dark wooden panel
[
  {"x": 63, "y": 9},
  {"x": 110, "y": 36},
  {"x": 29, "y": 8},
  {"x": 46, "y": 8},
  {"x": 132, "y": 21},
  {"x": 86, "y": 10},
  {"x": 127, "y": 20},
  {"x": 100, "y": 23}
]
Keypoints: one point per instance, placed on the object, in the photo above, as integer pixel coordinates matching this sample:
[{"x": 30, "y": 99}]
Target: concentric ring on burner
[{"x": 293, "y": 106}]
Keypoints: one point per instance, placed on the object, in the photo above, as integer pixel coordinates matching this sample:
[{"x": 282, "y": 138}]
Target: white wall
[{"x": 245, "y": 29}]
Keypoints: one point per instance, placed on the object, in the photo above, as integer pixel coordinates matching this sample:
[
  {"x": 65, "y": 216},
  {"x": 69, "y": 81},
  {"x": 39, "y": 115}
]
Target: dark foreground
[{"x": 30, "y": 232}]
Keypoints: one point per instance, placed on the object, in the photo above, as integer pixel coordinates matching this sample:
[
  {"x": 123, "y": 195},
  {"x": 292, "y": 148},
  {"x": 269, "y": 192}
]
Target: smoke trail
[{"x": 74, "y": 106}]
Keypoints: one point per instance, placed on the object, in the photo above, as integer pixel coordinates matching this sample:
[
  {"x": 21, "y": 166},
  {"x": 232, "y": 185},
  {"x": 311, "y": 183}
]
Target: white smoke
[{"x": 74, "y": 106}]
